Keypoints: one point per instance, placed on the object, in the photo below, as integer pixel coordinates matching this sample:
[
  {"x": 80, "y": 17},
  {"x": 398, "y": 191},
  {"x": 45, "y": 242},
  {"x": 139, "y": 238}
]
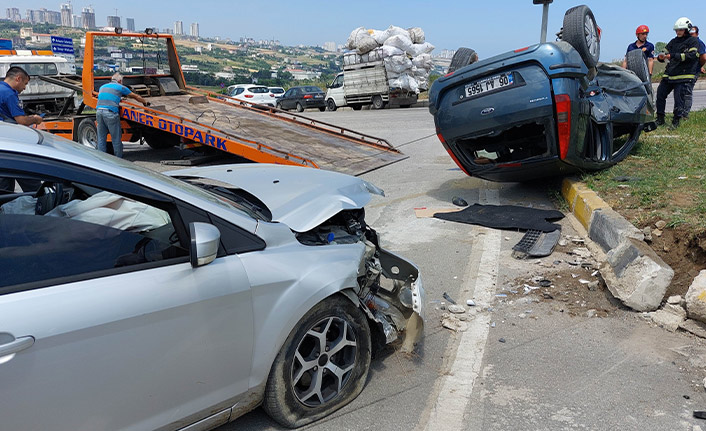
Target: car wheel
[
  {"x": 322, "y": 365},
  {"x": 637, "y": 64},
  {"x": 87, "y": 134},
  {"x": 331, "y": 105},
  {"x": 322, "y": 108},
  {"x": 159, "y": 140},
  {"x": 300, "y": 108},
  {"x": 462, "y": 57},
  {"x": 357, "y": 107},
  {"x": 581, "y": 31},
  {"x": 378, "y": 102}
]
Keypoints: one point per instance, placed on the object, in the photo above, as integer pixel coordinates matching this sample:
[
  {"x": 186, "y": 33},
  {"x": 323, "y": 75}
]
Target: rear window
[
  {"x": 276, "y": 90},
  {"x": 313, "y": 90},
  {"x": 37, "y": 69},
  {"x": 259, "y": 90}
]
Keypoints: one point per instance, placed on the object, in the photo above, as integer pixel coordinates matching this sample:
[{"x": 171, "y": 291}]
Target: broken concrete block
[
  {"x": 609, "y": 229},
  {"x": 675, "y": 309},
  {"x": 695, "y": 327},
  {"x": 667, "y": 320},
  {"x": 676, "y": 299},
  {"x": 696, "y": 298},
  {"x": 636, "y": 275}
]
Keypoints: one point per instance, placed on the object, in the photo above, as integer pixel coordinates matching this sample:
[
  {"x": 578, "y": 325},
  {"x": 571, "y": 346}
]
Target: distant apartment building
[
  {"x": 88, "y": 18},
  {"x": 114, "y": 21},
  {"x": 330, "y": 46},
  {"x": 194, "y": 29},
  {"x": 13, "y": 14},
  {"x": 300, "y": 75},
  {"x": 130, "y": 24},
  {"x": 26, "y": 32},
  {"x": 447, "y": 53},
  {"x": 67, "y": 15},
  {"x": 178, "y": 28},
  {"x": 77, "y": 21}
]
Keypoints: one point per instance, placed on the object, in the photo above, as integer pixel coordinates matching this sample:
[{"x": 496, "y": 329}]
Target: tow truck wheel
[
  {"x": 581, "y": 31},
  {"x": 322, "y": 365},
  {"x": 331, "y": 105},
  {"x": 87, "y": 134},
  {"x": 378, "y": 102},
  {"x": 158, "y": 139}
]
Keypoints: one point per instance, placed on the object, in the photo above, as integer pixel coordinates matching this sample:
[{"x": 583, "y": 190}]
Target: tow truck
[{"x": 190, "y": 117}]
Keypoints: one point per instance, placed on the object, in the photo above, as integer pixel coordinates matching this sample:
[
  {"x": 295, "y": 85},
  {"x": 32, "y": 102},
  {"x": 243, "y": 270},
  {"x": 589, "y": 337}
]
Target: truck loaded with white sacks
[{"x": 382, "y": 68}]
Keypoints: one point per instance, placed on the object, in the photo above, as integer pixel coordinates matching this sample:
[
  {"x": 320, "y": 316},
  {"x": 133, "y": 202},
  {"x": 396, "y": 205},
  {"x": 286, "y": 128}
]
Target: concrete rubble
[{"x": 696, "y": 298}]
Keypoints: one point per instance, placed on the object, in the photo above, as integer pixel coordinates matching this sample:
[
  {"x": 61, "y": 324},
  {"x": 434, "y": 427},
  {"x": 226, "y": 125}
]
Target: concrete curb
[{"x": 633, "y": 272}]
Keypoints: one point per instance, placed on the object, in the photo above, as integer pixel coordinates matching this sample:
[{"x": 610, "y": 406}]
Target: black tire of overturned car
[
  {"x": 462, "y": 57},
  {"x": 581, "y": 31},
  {"x": 638, "y": 65},
  {"x": 281, "y": 400}
]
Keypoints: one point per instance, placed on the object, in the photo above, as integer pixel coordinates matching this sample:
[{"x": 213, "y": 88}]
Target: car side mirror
[{"x": 205, "y": 239}]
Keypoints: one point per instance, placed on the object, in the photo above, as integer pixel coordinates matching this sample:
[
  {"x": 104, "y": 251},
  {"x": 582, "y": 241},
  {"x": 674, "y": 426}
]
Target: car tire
[
  {"x": 300, "y": 108},
  {"x": 461, "y": 58},
  {"x": 87, "y": 133},
  {"x": 334, "y": 322},
  {"x": 357, "y": 107},
  {"x": 581, "y": 31},
  {"x": 378, "y": 103},
  {"x": 331, "y": 105},
  {"x": 158, "y": 139},
  {"x": 638, "y": 65},
  {"x": 322, "y": 108}
]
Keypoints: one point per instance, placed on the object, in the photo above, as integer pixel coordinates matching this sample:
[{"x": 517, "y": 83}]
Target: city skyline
[{"x": 483, "y": 26}]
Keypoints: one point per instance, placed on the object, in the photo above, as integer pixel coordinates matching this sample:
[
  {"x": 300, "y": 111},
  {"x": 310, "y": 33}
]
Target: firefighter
[
  {"x": 648, "y": 50},
  {"x": 682, "y": 53}
]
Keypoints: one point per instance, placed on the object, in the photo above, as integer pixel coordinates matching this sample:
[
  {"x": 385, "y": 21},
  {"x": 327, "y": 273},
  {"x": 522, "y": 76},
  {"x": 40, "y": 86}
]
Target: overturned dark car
[{"x": 544, "y": 110}]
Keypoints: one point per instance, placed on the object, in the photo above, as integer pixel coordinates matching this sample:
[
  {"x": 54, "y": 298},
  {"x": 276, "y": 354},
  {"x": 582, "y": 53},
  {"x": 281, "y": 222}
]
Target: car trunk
[{"x": 506, "y": 119}]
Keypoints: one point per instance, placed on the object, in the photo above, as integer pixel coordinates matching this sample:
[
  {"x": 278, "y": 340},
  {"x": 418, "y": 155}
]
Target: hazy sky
[{"x": 489, "y": 27}]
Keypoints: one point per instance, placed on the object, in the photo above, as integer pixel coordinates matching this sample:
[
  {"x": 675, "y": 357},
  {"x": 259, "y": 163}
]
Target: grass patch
[{"x": 664, "y": 177}]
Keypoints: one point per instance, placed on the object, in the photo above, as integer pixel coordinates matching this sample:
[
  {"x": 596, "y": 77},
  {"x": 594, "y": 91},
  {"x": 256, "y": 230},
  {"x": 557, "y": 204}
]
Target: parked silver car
[{"x": 134, "y": 300}]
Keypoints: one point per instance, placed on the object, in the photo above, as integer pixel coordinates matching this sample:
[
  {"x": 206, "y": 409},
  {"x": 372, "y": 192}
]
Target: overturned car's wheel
[
  {"x": 462, "y": 57},
  {"x": 322, "y": 365},
  {"x": 581, "y": 31}
]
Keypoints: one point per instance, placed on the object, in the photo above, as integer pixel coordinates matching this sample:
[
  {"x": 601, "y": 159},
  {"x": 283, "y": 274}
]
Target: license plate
[
  {"x": 319, "y": 96},
  {"x": 485, "y": 85}
]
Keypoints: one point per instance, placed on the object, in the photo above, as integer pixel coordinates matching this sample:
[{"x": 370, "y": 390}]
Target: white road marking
[{"x": 457, "y": 386}]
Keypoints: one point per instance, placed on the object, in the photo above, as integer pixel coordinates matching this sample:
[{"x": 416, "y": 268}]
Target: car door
[
  {"x": 108, "y": 326},
  {"x": 286, "y": 101}
]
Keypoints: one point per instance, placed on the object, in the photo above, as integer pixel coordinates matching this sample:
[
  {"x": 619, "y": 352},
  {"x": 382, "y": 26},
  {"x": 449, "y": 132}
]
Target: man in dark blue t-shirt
[
  {"x": 11, "y": 111},
  {"x": 698, "y": 69},
  {"x": 648, "y": 50}
]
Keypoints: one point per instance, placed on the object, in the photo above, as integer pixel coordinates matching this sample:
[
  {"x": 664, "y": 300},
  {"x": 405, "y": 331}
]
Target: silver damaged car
[{"x": 134, "y": 300}]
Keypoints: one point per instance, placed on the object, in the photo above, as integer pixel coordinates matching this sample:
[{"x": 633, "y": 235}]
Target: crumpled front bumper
[{"x": 398, "y": 305}]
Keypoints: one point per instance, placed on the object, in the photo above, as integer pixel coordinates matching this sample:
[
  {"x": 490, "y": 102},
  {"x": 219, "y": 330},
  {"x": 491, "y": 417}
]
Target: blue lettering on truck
[{"x": 176, "y": 128}]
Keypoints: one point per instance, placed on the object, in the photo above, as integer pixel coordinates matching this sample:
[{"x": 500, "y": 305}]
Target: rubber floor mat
[{"x": 505, "y": 217}]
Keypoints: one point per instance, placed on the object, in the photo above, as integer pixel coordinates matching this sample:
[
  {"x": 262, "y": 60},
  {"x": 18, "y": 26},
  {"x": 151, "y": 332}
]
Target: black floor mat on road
[{"x": 505, "y": 217}]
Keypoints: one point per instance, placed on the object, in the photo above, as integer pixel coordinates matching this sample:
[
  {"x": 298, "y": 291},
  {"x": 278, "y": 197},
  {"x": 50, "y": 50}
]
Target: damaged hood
[{"x": 302, "y": 198}]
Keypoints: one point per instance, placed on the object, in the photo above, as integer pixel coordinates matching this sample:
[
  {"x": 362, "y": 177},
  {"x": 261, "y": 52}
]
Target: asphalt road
[{"x": 523, "y": 363}]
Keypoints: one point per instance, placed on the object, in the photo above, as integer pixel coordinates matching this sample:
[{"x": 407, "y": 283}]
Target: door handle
[{"x": 18, "y": 345}]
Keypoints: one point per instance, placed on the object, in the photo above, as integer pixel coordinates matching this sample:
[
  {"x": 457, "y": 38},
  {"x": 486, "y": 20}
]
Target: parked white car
[
  {"x": 277, "y": 91},
  {"x": 251, "y": 93}
]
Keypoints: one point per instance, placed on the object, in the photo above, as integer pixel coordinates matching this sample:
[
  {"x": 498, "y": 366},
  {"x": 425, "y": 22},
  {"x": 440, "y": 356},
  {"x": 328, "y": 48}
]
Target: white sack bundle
[
  {"x": 423, "y": 61},
  {"x": 365, "y": 44},
  {"x": 352, "y": 42},
  {"x": 405, "y": 82},
  {"x": 418, "y": 49},
  {"x": 416, "y": 34},
  {"x": 401, "y": 42},
  {"x": 398, "y": 63},
  {"x": 390, "y": 51}
]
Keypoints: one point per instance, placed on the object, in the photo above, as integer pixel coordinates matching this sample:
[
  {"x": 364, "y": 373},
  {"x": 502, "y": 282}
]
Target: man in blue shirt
[
  {"x": 11, "y": 111},
  {"x": 108, "y": 113},
  {"x": 648, "y": 50},
  {"x": 698, "y": 68}
]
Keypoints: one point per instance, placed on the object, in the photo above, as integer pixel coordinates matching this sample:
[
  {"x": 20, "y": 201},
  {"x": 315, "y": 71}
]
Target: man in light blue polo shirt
[{"x": 108, "y": 113}]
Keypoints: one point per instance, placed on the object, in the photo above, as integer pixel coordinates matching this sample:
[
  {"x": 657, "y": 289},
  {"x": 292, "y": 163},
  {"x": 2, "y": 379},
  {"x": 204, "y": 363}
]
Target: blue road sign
[{"x": 62, "y": 45}]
